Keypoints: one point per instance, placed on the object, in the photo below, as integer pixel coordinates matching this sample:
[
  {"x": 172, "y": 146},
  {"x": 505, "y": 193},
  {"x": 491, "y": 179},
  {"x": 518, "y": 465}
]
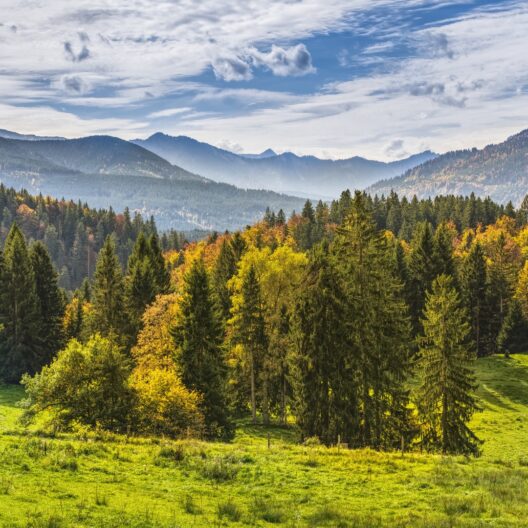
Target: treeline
[
  {"x": 328, "y": 322},
  {"x": 73, "y": 233}
]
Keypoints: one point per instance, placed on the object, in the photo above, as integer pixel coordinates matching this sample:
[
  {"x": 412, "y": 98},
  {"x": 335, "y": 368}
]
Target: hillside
[
  {"x": 499, "y": 171},
  {"x": 97, "y": 479},
  {"x": 106, "y": 171},
  {"x": 301, "y": 175}
]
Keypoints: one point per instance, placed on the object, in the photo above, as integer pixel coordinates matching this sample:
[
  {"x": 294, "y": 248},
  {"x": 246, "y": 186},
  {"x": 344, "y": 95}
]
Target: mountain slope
[
  {"x": 499, "y": 171},
  {"x": 301, "y": 175},
  {"x": 106, "y": 171},
  {"x": 27, "y": 137}
]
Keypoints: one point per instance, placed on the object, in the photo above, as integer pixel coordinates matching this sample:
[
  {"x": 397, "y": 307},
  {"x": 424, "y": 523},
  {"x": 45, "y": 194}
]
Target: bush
[{"x": 85, "y": 383}]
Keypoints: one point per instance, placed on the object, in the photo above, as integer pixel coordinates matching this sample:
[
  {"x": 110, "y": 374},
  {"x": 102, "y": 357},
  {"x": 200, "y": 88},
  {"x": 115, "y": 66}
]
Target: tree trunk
[{"x": 253, "y": 397}]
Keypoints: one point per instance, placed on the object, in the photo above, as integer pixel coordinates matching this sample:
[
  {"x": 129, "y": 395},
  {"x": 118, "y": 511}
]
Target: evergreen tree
[
  {"x": 422, "y": 269},
  {"x": 443, "y": 250},
  {"x": 250, "y": 332},
  {"x": 327, "y": 403},
  {"x": 20, "y": 345},
  {"x": 513, "y": 336},
  {"x": 140, "y": 284},
  {"x": 446, "y": 398},
  {"x": 50, "y": 303},
  {"x": 108, "y": 296},
  {"x": 473, "y": 279},
  {"x": 199, "y": 336},
  {"x": 157, "y": 264},
  {"x": 225, "y": 268},
  {"x": 378, "y": 327}
]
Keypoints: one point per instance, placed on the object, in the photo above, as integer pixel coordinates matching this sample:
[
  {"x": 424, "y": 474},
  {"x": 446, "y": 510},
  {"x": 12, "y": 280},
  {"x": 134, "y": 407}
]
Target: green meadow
[{"x": 91, "y": 479}]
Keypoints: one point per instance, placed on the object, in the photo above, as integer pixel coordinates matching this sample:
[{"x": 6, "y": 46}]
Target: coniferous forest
[
  {"x": 358, "y": 321},
  {"x": 381, "y": 335}
]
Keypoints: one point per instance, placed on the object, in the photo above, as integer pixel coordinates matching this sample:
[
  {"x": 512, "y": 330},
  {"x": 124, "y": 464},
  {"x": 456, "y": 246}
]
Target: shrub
[{"x": 85, "y": 383}]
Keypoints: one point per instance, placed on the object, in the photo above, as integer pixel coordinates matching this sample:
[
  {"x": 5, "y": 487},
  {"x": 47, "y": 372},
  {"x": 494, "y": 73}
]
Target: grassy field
[{"x": 100, "y": 480}]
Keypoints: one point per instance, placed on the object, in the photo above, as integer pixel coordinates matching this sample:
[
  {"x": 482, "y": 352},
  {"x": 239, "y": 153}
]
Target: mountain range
[
  {"x": 106, "y": 171},
  {"x": 499, "y": 171},
  {"x": 306, "y": 176}
]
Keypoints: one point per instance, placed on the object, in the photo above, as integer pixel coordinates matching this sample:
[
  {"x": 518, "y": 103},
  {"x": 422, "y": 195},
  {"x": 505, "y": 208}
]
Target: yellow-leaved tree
[
  {"x": 264, "y": 289},
  {"x": 164, "y": 405}
]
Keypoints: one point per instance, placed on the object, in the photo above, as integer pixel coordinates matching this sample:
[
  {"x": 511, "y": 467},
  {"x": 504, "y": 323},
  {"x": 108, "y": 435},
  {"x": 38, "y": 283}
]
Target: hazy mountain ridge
[
  {"x": 287, "y": 172},
  {"x": 498, "y": 170},
  {"x": 106, "y": 171}
]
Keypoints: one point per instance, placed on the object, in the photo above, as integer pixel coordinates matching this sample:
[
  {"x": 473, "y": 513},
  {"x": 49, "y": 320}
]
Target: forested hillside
[
  {"x": 317, "y": 317},
  {"x": 73, "y": 233},
  {"x": 499, "y": 171},
  {"x": 108, "y": 172}
]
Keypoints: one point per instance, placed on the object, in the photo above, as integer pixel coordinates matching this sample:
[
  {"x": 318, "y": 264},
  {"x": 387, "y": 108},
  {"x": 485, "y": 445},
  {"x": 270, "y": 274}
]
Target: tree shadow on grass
[{"x": 503, "y": 381}]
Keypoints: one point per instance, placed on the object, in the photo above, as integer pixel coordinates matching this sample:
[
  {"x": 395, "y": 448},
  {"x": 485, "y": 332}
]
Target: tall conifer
[{"x": 446, "y": 400}]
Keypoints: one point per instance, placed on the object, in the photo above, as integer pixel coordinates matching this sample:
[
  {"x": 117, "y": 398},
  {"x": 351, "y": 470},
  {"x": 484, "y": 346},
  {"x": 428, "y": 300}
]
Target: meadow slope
[{"x": 99, "y": 480}]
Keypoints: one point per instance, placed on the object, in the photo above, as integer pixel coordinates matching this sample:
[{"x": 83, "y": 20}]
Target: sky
[{"x": 334, "y": 78}]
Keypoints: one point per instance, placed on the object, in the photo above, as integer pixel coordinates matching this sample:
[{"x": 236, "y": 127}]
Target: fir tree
[
  {"x": 199, "y": 337},
  {"x": 513, "y": 336},
  {"x": 158, "y": 265},
  {"x": 50, "y": 303},
  {"x": 250, "y": 332},
  {"x": 225, "y": 268},
  {"x": 20, "y": 345},
  {"x": 327, "y": 403},
  {"x": 378, "y": 326},
  {"x": 108, "y": 295},
  {"x": 422, "y": 269},
  {"x": 446, "y": 398},
  {"x": 473, "y": 279}
]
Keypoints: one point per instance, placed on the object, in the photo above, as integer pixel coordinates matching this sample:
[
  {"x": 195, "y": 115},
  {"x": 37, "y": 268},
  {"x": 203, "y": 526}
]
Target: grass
[{"x": 94, "y": 479}]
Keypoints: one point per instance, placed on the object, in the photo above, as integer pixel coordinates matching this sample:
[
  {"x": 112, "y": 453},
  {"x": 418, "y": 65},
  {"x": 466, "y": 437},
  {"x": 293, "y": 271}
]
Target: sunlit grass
[{"x": 98, "y": 479}]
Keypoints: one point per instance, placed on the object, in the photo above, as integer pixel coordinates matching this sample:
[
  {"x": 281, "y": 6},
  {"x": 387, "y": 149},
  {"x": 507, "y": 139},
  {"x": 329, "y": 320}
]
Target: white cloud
[
  {"x": 169, "y": 112},
  {"x": 295, "y": 60}
]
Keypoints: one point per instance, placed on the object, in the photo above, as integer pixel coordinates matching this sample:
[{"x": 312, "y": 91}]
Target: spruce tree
[
  {"x": 158, "y": 265},
  {"x": 327, "y": 403},
  {"x": 225, "y": 268},
  {"x": 250, "y": 331},
  {"x": 108, "y": 296},
  {"x": 445, "y": 398},
  {"x": 49, "y": 303},
  {"x": 443, "y": 250},
  {"x": 20, "y": 345},
  {"x": 513, "y": 336},
  {"x": 422, "y": 269},
  {"x": 378, "y": 326},
  {"x": 140, "y": 284},
  {"x": 473, "y": 280},
  {"x": 198, "y": 334}
]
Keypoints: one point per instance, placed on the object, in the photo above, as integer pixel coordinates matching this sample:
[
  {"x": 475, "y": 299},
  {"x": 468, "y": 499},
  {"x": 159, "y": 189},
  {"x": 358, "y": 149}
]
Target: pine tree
[
  {"x": 199, "y": 336},
  {"x": 249, "y": 331},
  {"x": 446, "y": 398},
  {"x": 20, "y": 345},
  {"x": 473, "y": 280},
  {"x": 49, "y": 303},
  {"x": 108, "y": 295}
]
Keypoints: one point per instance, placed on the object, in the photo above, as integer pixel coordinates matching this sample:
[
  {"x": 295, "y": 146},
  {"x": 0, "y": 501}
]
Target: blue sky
[{"x": 334, "y": 78}]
